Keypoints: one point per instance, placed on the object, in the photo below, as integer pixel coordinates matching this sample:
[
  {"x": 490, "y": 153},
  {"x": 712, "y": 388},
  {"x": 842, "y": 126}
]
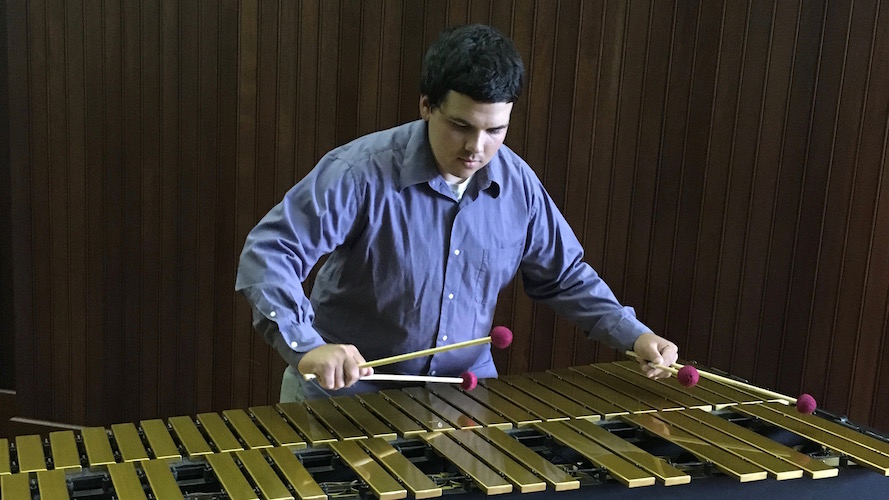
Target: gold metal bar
[
  {"x": 617, "y": 398},
  {"x": 601, "y": 377},
  {"x": 717, "y": 401},
  {"x": 98, "y": 448},
  {"x": 159, "y": 439},
  {"x": 523, "y": 399},
  {"x": 417, "y": 483},
  {"x": 730, "y": 464},
  {"x": 52, "y": 484},
  {"x": 300, "y": 479},
  {"x": 516, "y": 473},
  {"x": 30, "y": 453},
  {"x": 229, "y": 474},
  {"x": 418, "y": 412},
  {"x": 815, "y": 468},
  {"x": 477, "y": 411},
  {"x": 15, "y": 485},
  {"x": 341, "y": 426},
  {"x": 190, "y": 437},
  {"x": 129, "y": 443},
  {"x": 403, "y": 424},
  {"x": 160, "y": 478},
  {"x": 661, "y": 469},
  {"x": 832, "y": 427},
  {"x": 126, "y": 482},
  {"x": 5, "y": 466},
  {"x": 263, "y": 475},
  {"x": 564, "y": 405},
  {"x": 246, "y": 429},
  {"x": 519, "y": 417},
  {"x": 620, "y": 469},
  {"x": 556, "y": 477},
  {"x": 601, "y": 406},
  {"x": 486, "y": 479},
  {"x": 682, "y": 397},
  {"x": 772, "y": 464},
  {"x": 860, "y": 454},
  {"x": 454, "y": 416},
  {"x": 277, "y": 427},
  {"x": 384, "y": 486},
  {"x": 308, "y": 426},
  {"x": 219, "y": 433},
  {"x": 64, "y": 450},
  {"x": 372, "y": 426}
]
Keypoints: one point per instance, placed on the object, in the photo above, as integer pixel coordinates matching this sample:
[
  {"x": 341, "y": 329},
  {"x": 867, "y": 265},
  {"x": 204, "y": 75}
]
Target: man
[{"x": 424, "y": 224}]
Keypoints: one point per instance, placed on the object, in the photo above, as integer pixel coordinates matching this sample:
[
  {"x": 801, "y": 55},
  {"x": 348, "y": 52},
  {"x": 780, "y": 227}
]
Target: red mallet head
[
  {"x": 688, "y": 376},
  {"x": 501, "y": 337},
  {"x": 469, "y": 381},
  {"x": 806, "y": 404}
]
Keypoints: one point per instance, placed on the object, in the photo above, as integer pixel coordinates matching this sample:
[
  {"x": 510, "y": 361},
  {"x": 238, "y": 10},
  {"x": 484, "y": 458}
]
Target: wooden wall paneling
[
  {"x": 768, "y": 175},
  {"x": 783, "y": 266},
  {"x": 266, "y": 181},
  {"x": 717, "y": 190},
  {"x": 7, "y": 307},
  {"x": 152, "y": 178},
  {"x": 814, "y": 252},
  {"x": 675, "y": 111},
  {"x": 39, "y": 396},
  {"x": 348, "y": 79},
  {"x": 370, "y": 64},
  {"x": 113, "y": 332},
  {"x": 840, "y": 235},
  {"x": 540, "y": 71},
  {"x": 77, "y": 209},
  {"x": 389, "y": 92},
  {"x": 411, "y": 58},
  {"x": 17, "y": 289},
  {"x": 91, "y": 387},
  {"x": 583, "y": 92},
  {"x": 227, "y": 243},
  {"x": 739, "y": 249},
  {"x": 692, "y": 173},
  {"x": 181, "y": 29},
  {"x": 207, "y": 199},
  {"x": 246, "y": 215},
  {"x": 869, "y": 216},
  {"x": 652, "y": 124},
  {"x": 557, "y": 331}
]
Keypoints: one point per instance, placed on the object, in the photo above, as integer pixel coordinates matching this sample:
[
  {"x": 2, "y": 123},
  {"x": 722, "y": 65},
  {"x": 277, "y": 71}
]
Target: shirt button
[
  {"x": 450, "y": 295},
  {"x": 456, "y": 252},
  {"x": 273, "y": 314},
  {"x": 294, "y": 344},
  {"x": 432, "y": 372},
  {"x": 445, "y": 337}
]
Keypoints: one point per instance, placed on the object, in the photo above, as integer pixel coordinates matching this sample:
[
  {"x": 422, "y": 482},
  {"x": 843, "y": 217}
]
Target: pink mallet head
[
  {"x": 806, "y": 404},
  {"x": 688, "y": 376},
  {"x": 469, "y": 381},
  {"x": 501, "y": 337}
]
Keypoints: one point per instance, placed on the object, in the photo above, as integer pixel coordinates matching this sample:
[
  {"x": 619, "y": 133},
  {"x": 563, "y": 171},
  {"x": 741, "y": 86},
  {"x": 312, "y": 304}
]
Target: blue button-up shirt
[{"x": 411, "y": 267}]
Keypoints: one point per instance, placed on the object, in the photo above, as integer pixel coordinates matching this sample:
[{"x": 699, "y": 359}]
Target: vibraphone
[{"x": 559, "y": 432}]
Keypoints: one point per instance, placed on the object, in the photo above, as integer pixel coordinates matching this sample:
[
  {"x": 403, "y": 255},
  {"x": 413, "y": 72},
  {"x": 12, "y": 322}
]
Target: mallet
[
  {"x": 468, "y": 381},
  {"x": 689, "y": 375}
]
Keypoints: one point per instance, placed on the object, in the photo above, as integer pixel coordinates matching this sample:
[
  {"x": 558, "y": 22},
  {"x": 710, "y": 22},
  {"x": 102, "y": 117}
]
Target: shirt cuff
[{"x": 619, "y": 330}]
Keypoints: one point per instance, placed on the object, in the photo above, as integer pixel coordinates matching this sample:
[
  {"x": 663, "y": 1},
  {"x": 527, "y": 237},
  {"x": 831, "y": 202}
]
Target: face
[{"x": 464, "y": 134}]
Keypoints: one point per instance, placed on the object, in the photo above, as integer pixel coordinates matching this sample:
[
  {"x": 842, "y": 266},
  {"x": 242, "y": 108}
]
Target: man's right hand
[{"x": 335, "y": 366}]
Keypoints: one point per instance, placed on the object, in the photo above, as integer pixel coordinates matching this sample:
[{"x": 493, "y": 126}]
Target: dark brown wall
[{"x": 723, "y": 163}]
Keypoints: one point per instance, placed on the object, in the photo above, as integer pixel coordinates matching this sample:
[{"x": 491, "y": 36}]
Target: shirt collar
[{"x": 419, "y": 163}]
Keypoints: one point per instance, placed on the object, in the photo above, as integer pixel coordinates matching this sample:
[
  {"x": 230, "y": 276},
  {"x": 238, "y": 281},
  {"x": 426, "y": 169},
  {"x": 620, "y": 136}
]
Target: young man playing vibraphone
[{"x": 424, "y": 224}]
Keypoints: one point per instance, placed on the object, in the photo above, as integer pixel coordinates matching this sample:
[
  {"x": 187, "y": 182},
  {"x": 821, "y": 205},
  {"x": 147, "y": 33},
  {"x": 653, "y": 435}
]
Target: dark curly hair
[{"x": 475, "y": 60}]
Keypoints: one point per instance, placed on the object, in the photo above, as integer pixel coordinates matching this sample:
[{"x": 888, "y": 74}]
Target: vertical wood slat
[{"x": 722, "y": 163}]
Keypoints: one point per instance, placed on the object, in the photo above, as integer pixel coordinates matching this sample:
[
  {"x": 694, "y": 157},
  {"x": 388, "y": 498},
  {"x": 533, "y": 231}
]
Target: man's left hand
[{"x": 653, "y": 349}]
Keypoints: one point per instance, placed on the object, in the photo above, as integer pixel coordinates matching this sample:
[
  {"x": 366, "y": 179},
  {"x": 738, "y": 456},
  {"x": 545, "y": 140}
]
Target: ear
[{"x": 425, "y": 108}]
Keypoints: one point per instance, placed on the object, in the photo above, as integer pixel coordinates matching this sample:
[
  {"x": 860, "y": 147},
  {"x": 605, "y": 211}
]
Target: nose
[{"x": 475, "y": 143}]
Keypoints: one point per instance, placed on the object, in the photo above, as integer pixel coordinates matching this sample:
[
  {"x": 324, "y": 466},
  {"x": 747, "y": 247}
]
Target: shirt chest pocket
[{"x": 498, "y": 267}]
